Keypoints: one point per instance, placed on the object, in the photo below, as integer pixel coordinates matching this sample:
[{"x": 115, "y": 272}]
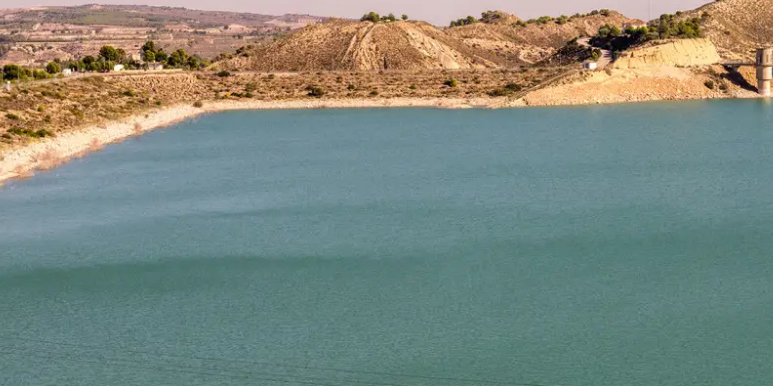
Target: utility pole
[{"x": 649, "y": 11}]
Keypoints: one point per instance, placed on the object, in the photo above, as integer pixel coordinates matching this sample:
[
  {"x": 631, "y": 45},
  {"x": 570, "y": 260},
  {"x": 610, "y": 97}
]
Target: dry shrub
[{"x": 137, "y": 128}]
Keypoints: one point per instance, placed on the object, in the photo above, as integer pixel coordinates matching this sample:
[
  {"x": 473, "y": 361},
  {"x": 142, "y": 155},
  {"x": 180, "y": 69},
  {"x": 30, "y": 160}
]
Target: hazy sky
[{"x": 435, "y": 11}]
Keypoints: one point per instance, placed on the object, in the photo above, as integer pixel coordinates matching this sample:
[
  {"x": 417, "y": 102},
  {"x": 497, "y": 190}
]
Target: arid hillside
[
  {"x": 737, "y": 27},
  {"x": 677, "y": 52},
  {"x": 533, "y": 41},
  {"x": 349, "y": 45}
]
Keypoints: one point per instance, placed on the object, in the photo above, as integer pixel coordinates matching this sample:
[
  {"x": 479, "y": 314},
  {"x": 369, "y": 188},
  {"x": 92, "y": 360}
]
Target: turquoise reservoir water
[{"x": 613, "y": 245}]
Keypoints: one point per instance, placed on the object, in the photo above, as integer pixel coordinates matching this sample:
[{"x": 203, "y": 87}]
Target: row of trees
[
  {"x": 466, "y": 21},
  {"x": 106, "y": 60},
  {"x": 374, "y": 17},
  {"x": 563, "y": 19},
  {"x": 612, "y": 38},
  {"x": 13, "y": 72},
  {"x": 490, "y": 17}
]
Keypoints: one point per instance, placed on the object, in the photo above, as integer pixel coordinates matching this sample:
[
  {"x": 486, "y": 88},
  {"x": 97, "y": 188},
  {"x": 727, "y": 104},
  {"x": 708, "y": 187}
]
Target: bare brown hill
[
  {"x": 535, "y": 41},
  {"x": 350, "y": 45},
  {"x": 736, "y": 27}
]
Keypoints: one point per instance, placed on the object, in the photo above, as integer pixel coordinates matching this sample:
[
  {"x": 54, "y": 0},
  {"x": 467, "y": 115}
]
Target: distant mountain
[
  {"x": 33, "y": 36},
  {"x": 146, "y": 16}
]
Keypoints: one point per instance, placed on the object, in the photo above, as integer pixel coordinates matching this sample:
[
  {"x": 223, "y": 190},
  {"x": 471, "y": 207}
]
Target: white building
[
  {"x": 155, "y": 66},
  {"x": 66, "y": 72},
  {"x": 589, "y": 65},
  {"x": 118, "y": 67},
  {"x": 634, "y": 25}
]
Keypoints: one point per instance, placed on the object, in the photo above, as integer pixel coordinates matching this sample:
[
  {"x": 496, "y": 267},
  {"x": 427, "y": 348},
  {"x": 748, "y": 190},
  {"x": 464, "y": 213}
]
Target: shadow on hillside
[{"x": 733, "y": 76}]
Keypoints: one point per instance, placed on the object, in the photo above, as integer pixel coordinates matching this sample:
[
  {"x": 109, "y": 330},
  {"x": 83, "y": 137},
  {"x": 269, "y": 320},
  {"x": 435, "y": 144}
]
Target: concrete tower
[{"x": 764, "y": 70}]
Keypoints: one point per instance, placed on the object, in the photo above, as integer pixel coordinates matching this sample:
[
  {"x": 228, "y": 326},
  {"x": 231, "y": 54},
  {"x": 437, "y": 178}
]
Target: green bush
[
  {"x": 709, "y": 84},
  {"x": 12, "y": 117},
  {"x": 198, "y": 104},
  {"x": 53, "y": 68},
  {"x": 31, "y": 133},
  {"x": 223, "y": 74},
  {"x": 466, "y": 21},
  {"x": 371, "y": 17},
  {"x": 12, "y": 72},
  {"x": 40, "y": 74},
  {"x": 451, "y": 83}
]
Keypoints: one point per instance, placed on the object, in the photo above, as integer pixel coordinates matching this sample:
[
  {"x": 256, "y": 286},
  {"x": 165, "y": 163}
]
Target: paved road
[{"x": 606, "y": 55}]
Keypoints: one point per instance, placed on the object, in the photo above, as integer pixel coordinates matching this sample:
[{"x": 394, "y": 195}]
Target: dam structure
[{"x": 764, "y": 65}]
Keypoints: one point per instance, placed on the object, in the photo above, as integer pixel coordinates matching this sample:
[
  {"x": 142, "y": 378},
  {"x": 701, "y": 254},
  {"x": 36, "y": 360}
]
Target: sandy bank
[
  {"x": 636, "y": 85},
  {"x": 24, "y": 160}
]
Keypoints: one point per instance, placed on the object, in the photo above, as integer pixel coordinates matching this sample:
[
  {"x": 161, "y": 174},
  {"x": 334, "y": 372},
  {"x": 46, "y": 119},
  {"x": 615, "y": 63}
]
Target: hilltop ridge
[
  {"x": 536, "y": 39},
  {"x": 362, "y": 45}
]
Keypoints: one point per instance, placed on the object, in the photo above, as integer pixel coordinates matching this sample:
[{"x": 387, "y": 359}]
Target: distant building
[
  {"x": 155, "y": 66},
  {"x": 118, "y": 67},
  {"x": 589, "y": 65},
  {"x": 66, "y": 72},
  {"x": 8, "y": 86}
]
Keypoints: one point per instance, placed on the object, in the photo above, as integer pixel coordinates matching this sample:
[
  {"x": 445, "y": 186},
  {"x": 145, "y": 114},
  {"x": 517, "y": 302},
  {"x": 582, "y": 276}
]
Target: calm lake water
[{"x": 612, "y": 245}]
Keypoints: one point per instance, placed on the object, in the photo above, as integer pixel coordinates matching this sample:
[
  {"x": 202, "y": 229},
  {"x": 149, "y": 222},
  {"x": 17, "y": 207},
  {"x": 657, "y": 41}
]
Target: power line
[{"x": 261, "y": 363}]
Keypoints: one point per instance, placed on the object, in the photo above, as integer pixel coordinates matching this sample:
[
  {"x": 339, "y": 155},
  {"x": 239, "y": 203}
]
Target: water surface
[{"x": 613, "y": 245}]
